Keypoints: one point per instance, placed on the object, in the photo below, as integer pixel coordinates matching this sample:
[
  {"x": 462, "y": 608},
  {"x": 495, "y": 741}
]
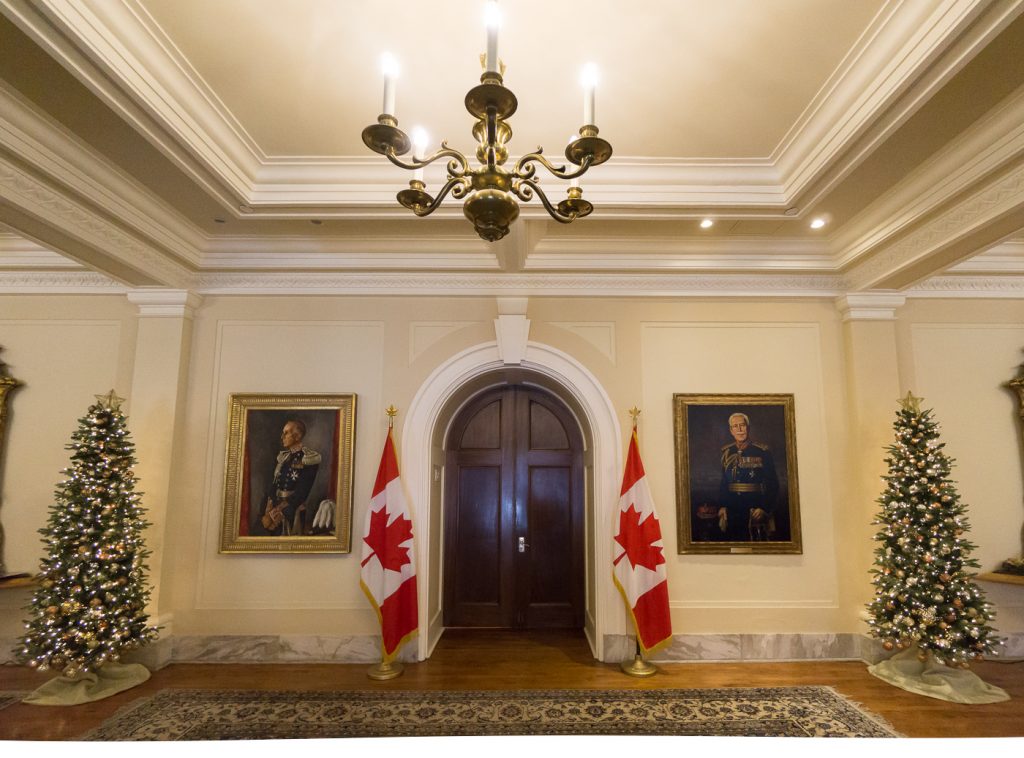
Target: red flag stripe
[
  {"x": 634, "y": 467},
  {"x": 399, "y": 616},
  {"x": 653, "y": 621},
  {"x": 388, "y": 469}
]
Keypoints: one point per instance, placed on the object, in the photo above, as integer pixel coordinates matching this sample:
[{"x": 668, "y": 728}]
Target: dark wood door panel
[{"x": 514, "y": 514}]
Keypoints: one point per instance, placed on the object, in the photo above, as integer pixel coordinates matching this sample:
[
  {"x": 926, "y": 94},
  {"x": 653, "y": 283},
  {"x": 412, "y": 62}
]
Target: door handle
[{"x": 522, "y": 545}]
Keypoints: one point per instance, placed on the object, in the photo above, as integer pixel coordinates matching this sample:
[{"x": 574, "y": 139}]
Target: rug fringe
[{"x": 871, "y": 715}]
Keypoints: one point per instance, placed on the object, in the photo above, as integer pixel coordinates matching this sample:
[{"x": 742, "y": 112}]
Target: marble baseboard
[
  {"x": 744, "y": 647},
  {"x": 775, "y": 647},
  {"x": 282, "y": 649}
]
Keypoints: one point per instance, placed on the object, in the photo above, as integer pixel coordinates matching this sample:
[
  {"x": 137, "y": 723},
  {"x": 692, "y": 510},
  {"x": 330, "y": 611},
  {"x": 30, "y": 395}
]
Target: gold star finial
[
  {"x": 635, "y": 413},
  {"x": 392, "y": 411},
  {"x": 911, "y": 403},
  {"x": 110, "y": 401}
]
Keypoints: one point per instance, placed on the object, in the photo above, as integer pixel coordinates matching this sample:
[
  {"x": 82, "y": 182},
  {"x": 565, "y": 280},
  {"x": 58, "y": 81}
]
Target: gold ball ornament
[
  {"x": 95, "y": 602},
  {"x": 84, "y": 550},
  {"x": 52, "y": 610},
  {"x": 958, "y": 603},
  {"x": 888, "y": 645}
]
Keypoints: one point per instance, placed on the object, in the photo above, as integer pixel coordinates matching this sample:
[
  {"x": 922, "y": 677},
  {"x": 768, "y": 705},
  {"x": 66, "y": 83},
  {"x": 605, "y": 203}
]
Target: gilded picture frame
[
  {"x": 737, "y": 489},
  {"x": 288, "y": 473}
]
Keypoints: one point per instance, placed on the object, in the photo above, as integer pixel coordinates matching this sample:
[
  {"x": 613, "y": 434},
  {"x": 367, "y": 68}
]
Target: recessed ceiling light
[
  {"x": 707, "y": 223},
  {"x": 817, "y": 223},
  {"x": 792, "y": 211}
]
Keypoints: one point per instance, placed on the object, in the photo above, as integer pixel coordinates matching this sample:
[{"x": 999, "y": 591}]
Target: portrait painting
[
  {"x": 736, "y": 474},
  {"x": 288, "y": 476}
]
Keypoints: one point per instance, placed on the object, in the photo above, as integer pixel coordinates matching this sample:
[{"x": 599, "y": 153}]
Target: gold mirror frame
[{"x": 7, "y": 383}]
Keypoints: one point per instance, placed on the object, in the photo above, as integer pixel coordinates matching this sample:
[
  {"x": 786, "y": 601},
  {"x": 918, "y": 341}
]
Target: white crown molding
[
  {"x": 120, "y": 51},
  {"x": 120, "y": 61},
  {"x": 53, "y": 153},
  {"x": 954, "y": 230},
  {"x": 908, "y": 53},
  {"x": 608, "y": 252},
  {"x": 994, "y": 141},
  {"x": 84, "y": 229},
  {"x": 1005, "y": 258},
  {"x": 518, "y": 285},
  {"x": 35, "y": 258}
]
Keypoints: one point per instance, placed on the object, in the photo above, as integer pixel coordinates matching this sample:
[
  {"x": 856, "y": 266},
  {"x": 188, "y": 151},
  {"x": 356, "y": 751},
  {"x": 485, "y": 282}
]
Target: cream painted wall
[
  {"x": 640, "y": 351},
  {"x": 64, "y": 352}
]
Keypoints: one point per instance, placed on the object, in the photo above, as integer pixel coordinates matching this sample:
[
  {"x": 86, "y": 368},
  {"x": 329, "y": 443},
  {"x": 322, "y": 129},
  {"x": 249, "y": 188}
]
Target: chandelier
[{"x": 490, "y": 190}]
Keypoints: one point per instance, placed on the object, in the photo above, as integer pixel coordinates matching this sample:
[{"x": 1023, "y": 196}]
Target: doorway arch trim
[{"x": 417, "y": 433}]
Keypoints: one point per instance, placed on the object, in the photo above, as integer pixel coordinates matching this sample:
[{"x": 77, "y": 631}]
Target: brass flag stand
[
  {"x": 637, "y": 666},
  {"x": 386, "y": 669}
]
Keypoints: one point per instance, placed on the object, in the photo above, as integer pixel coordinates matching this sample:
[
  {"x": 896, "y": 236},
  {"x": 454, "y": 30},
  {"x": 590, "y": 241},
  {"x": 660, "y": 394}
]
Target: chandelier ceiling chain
[{"x": 490, "y": 190}]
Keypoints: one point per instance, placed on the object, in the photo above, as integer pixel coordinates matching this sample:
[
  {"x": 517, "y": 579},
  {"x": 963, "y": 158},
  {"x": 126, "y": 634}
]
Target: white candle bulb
[
  {"x": 419, "y": 145},
  {"x": 492, "y": 20},
  {"x": 589, "y": 81},
  {"x": 390, "y": 67}
]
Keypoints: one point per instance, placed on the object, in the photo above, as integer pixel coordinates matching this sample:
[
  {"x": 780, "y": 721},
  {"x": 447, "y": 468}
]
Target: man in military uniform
[
  {"x": 749, "y": 487},
  {"x": 284, "y": 509}
]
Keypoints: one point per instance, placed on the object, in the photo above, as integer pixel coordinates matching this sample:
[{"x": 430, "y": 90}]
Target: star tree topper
[
  {"x": 911, "y": 403},
  {"x": 110, "y": 401}
]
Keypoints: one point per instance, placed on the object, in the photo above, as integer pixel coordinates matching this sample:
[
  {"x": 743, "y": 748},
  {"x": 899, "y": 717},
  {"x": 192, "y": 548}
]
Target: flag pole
[
  {"x": 386, "y": 669},
  {"x": 637, "y": 666}
]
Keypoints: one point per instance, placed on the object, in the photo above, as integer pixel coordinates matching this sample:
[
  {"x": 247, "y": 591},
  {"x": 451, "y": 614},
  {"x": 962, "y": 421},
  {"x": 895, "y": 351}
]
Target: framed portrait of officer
[
  {"x": 736, "y": 474},
  {"x": 288, "y": 475}
]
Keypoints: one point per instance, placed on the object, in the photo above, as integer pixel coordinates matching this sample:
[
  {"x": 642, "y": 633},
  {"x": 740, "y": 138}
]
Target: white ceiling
[{"x": 215, "y": 144}]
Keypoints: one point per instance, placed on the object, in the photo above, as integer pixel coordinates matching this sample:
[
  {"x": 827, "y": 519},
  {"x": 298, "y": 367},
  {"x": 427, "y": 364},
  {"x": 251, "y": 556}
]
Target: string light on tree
[
  {"x": 90, "y": 605},
  {"x": 923, "y": 594}
]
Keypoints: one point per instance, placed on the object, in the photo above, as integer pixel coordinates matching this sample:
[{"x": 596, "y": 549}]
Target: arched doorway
[
  {"x": 514, "y": 512},
  {"x": 437, "y": 402}
]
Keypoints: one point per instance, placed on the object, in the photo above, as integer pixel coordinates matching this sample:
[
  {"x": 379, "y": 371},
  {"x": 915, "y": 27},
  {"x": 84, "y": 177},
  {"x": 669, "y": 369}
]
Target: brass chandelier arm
[
  {"x": 525, "y": 168},
  {"x": 457, "y": 167},
  {"x": 457, "y": 185},
  {"x": 524, "y": 189}
]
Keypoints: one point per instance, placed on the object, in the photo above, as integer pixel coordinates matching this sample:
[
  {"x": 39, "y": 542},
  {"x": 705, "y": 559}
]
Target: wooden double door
[{"x": 514, "y": 513}]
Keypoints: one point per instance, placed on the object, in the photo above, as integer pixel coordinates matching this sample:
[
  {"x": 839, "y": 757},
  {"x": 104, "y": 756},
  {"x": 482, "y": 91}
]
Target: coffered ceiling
[{"x": 214, "y": 145}]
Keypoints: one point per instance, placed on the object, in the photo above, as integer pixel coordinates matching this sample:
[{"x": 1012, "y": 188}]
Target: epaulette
[
  {"x": 310, "y": 457},
  {"x": 760, "y": 446}
]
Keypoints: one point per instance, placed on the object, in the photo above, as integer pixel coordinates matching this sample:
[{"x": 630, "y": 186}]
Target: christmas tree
[
  {"x": 90, "y": 606},
  {"x": 923, "y": 594}
]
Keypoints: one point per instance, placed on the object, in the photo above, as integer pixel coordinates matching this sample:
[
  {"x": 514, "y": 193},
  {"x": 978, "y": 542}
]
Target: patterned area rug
[{"x": 253, "y": 715}]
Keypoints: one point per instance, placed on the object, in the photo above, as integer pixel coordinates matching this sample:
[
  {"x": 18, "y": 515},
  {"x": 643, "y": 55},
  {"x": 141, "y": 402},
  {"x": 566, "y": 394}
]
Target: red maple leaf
[
  {"x": 384, "y": 540},
  {"x": 638, "y": 539}
]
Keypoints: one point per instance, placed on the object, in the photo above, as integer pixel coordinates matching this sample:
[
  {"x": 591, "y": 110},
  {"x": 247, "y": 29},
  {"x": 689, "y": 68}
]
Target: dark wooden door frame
[{"x": 516, "y": 461}]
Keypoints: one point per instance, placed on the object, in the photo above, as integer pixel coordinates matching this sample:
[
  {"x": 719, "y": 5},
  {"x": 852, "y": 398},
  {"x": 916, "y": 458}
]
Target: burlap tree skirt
[
  {"x": 932, "y": 679},
  {"x": 108, "y": 680}
]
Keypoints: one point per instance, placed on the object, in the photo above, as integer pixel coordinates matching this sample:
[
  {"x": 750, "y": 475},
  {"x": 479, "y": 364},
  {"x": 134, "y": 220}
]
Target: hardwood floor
[{"x": 505, "y": 660}]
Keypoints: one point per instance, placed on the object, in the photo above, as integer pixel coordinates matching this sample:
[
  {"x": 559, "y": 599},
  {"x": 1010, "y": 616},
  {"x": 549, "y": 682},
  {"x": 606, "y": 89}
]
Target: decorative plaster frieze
[
  {"x": 59, "y": 283},
  {"x": 870, "y": 306},
  {"x": 1000, "y": 197},
  {"x": 995, "y": 140},
  {"x": 969, "y": 287},
  {"x": 40, "y": 200},
  {"x": 54, "y": 153}
]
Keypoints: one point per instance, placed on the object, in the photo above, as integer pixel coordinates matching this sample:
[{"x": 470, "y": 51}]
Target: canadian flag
[
  {"x": 638, "y": 567},
  {"x": 388, "y": 568}
]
